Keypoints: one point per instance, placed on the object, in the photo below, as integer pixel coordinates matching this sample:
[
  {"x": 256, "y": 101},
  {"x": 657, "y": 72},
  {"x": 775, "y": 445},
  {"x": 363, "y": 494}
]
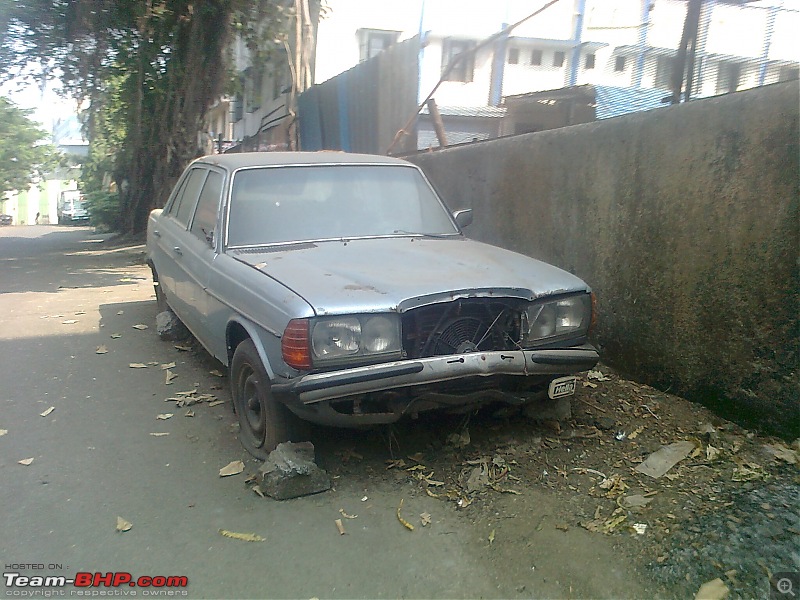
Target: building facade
[{"x": 613, "y": 43}]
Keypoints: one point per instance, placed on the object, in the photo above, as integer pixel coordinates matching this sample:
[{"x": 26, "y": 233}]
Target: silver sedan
[{"x": 338, "y": 288}]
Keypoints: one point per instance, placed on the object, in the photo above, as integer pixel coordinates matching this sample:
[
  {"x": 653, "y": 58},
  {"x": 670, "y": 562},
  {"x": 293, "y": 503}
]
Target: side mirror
[{"x": 463, "y": 217}]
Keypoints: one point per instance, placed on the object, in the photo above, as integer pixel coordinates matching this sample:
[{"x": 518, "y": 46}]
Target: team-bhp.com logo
[{"x": 113, "y": 579}]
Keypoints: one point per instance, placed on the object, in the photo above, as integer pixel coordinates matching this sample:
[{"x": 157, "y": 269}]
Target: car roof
[{"x": 240, "y": 160}]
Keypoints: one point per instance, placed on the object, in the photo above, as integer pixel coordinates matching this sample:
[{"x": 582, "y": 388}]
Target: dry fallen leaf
[
  {"x": 164, "y": 416},
  {"x": 69, "y": 321},
  {"x": 25, "y": 461},
  {"x": 216, "y": 403},
  {"x": 160, "y": 434},
  {"x": 123, "y": 525},
  {"x": 137, "y": 366},
  {"x": 245, "y": 537},
  {"x": 140, "y": 326},
  {"x": 101, "y": 350},
  {"x": 48, "y": 411},
  {"x": 115, "y": 336},
  {"x": 257, "y": 490},
  {"x": 217, "y": 373},
  {"x": 166, "y": 366},
  {"x": 182, "y": 347},
  {"x": 121, "y": 312},
  {"x": 403, "y": 522},
  {"x": 425, "y": 519},
  {"x": 346, "y": 516},
  {"x": 491, "y": 537},
  {"x": 169, "y": 377},
  {"x": 232, "y": 468},
  {"x": 189, "y": 413},
  {"x": 712, "y": 590},
  {"x": 3, "y": 432}
]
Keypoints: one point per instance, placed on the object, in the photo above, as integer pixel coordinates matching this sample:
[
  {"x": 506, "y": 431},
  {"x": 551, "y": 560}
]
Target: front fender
[{"x": 261, "y": 339}]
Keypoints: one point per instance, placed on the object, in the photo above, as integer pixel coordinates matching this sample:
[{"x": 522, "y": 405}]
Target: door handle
[{"x": 178, "y": 250}]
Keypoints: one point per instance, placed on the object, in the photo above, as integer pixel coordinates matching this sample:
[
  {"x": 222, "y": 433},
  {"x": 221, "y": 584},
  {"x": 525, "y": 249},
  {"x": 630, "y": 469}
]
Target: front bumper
[{"x": 316, "y": 388}]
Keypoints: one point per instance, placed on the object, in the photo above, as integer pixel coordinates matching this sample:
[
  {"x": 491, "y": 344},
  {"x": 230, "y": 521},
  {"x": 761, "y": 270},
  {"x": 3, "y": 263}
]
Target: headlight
[
  {"x": 335, "y": 338},
  {"x": 558, "y": 319},
  {"x": 350, "y": 338}
]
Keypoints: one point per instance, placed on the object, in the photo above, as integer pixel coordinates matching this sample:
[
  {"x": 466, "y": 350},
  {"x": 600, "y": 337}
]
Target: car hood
[{"x": 397, "y": 274}]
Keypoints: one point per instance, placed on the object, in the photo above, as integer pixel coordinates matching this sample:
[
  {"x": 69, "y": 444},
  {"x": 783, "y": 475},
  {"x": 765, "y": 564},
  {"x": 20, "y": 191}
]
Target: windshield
[{"x": 286, "y": 204}]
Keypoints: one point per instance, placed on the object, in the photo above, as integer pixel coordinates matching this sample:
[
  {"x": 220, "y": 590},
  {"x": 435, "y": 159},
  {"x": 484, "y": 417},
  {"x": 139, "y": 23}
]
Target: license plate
[{"x": 563, "y": 386}]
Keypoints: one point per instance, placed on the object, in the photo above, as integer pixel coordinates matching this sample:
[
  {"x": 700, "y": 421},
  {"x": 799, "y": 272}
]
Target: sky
[{"x": 52, "y": 112}]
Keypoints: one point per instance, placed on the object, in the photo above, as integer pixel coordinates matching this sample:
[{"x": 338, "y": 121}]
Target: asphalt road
[{"x": 64, "y": 294}]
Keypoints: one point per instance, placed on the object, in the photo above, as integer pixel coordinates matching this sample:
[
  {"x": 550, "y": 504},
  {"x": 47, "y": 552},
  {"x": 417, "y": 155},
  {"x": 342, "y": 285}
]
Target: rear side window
[
  {"x": 184, "y": 204},
  {"x": 205, "y": 217}
]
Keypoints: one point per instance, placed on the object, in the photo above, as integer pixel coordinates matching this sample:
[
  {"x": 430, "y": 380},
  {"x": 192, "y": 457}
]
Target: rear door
[{"x": 172, "y": 234}]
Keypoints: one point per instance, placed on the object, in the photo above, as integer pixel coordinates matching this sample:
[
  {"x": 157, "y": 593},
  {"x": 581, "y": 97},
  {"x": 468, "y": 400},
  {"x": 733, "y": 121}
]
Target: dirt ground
[{"x": 728, "y": 510}]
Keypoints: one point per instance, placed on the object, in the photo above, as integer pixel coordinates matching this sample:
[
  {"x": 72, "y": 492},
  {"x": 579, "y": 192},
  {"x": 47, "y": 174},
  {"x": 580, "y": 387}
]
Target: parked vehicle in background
[
  {"x": 339, "y": 288},
  {"x": 71, "y": 208},
  {"x": 6, "y": 220}
]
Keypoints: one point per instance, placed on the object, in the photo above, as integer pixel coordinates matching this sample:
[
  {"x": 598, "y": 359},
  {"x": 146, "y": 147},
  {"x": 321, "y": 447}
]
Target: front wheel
[{"x": 263, "y": 421}]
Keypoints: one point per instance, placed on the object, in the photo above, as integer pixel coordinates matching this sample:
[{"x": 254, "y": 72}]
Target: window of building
[
  {"x": 465, "y": 67},
  {"x": 728, "y": 77},
  {"x": 558, "y": 58},
  {"x": 374, "y": 41},
  {"x": 664, "y": 66},
  {"x": 619, "y": 64},
  {"x": 513, "y": 56},
  {"x": 536, "y": 58},
  {"x": 589, "y": 62}
]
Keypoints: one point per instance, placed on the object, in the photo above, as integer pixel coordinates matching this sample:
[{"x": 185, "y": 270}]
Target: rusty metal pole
[
  {"x": 438, "y": 125},
  {"x": 690, "y": 27}
]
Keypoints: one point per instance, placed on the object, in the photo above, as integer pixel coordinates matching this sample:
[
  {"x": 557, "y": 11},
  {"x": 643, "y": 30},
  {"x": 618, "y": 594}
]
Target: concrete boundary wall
[{"x": 684, "y": 221}]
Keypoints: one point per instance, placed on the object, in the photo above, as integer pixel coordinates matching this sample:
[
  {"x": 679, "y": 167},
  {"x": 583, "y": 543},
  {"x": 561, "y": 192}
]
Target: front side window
[
  {"x": 205, "y": 217},
  {"x": 321, "y": 202},
  {"x": 464, "y": 68}
]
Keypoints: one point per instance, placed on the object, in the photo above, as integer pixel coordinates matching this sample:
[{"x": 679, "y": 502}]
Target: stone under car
[{"x": 339, "y": 289}]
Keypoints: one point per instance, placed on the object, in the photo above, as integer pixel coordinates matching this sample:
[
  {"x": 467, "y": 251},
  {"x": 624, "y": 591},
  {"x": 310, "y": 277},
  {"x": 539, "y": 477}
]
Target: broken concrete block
[
  {"x": 170, "y": 327},
  {"x": 290, "y": 472},
  {"x": 546, "y": 409}
]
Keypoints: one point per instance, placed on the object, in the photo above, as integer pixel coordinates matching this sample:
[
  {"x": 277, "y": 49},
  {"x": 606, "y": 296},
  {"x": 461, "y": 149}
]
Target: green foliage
[
  {"x": 149, "y": 72},
  {"x": 24, "y": 155},
  {"x": 104, "y": 208}
]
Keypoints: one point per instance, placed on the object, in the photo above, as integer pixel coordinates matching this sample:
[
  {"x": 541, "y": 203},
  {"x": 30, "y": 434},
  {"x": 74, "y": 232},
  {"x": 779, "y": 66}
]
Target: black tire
[
  {"x": 161, "y": 299},
  {"x": 263, "y": 421}
]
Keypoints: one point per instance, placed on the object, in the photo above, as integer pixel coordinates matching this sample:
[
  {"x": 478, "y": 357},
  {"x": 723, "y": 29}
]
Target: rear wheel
[
  {"x": 263, "y": 421},
  {"x": 161, "y": 299}
]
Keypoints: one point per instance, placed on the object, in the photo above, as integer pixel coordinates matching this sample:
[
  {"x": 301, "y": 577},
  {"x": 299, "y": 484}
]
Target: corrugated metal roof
[
  {"x": 616, "y": 101},
  {"x": 494, "y": 112}
]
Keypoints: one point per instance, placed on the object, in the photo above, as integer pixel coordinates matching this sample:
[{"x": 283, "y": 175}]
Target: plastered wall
[{"x": 684, "y": 220}]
